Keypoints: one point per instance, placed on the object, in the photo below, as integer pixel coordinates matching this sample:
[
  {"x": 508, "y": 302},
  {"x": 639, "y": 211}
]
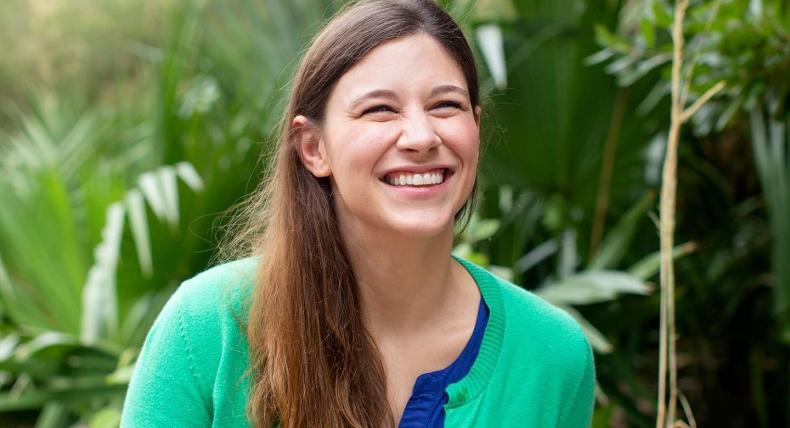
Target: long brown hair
[{"x": 313, "y": 363}]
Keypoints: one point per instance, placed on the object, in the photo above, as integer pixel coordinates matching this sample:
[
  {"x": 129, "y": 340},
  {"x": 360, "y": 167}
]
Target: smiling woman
[{"x": 350, "y": 310}]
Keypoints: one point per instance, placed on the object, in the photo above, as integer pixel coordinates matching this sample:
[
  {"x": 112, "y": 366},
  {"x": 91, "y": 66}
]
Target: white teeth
[{"x": 405, "y": 179}]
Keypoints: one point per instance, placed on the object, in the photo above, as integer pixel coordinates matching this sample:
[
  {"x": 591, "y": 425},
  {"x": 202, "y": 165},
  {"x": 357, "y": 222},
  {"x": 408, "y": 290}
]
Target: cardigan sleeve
[{"x": 165, "y": 390}]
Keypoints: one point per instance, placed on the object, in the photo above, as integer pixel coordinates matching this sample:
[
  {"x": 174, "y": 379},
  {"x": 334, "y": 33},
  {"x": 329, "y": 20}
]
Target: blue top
[{"x": 425, "y": 407}]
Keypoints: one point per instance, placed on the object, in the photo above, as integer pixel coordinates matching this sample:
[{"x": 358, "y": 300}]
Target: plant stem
[{"x": 667, "y": 228}]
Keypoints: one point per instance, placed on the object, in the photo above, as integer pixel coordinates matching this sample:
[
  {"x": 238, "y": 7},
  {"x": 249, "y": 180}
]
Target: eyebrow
[
  {"x": 449, "y": 88},
  {"x": 377, "y": 93},
  {"x": 386, "y": 93}
]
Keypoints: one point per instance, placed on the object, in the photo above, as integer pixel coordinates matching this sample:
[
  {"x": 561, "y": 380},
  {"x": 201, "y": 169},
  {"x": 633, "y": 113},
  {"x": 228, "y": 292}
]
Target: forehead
[{"x": 409, "y": 64}]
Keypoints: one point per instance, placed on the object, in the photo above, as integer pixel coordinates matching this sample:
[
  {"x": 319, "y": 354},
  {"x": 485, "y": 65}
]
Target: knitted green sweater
[{"x": 534, "y": 368}]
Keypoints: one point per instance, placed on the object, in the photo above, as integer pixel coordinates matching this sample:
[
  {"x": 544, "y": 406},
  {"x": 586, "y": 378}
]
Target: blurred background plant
[
  {"x": 744, "y": 46},
  {"x": 128, "y": 127}
]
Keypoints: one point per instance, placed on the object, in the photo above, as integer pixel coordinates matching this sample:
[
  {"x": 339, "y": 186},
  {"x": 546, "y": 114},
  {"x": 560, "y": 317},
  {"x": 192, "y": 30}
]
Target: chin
[{"x": 420, "y": 228}]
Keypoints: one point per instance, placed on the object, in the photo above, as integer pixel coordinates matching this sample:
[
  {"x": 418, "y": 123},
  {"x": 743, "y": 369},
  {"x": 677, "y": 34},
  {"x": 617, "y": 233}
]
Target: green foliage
[
  {"x": 113, "y": 206},
  {"x": 744, "y": 44},
  {"x": 771, "y": 142}
]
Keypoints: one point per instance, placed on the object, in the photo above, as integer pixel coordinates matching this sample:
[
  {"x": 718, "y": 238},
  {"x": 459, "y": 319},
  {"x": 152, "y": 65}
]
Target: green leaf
[
  {"x": 536, "y": 255},
  {"x": 483, "y": 229},
  {"x": 648, "y": 32},
  {"x": 53, "y": 415},
  {"x": 597, "y": 340},
  {"x": 592, "y": 287},
  {"x": 622, "y": 64},
  {"x": 608, "y": 39},
  {"x": 50, "y": 341},
  {"x": 627, "y": 78},
  {"x": 190, "y": 176},
  {"x": 649, "y": 266},
  {"x": 599, "y": 57},
  {"x": 108, "y": 417},
  {"x": 662, "y": 13},
  {"x": 138, "y": 220},
  {"x": 489, "y": 38},
  {"x": 37, "y": 398},
  {"x": 99, "y": 295},
  {"x": 7, "y": 346},
  {"x": 771, "y": 145},
  {"x": 568, "y": 257},
  {"x": 726, "y": 116},
  {"x": 617, "y": 241}
]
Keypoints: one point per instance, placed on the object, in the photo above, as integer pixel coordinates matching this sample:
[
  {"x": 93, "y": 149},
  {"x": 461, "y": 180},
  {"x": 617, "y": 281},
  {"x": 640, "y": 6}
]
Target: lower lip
[{"x": 422, "y": 192}]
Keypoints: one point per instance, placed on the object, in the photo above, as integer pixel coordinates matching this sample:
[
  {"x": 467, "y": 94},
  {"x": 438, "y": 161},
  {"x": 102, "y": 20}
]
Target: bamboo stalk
[
  {"x": 667, "y": 228},
  {"x": 666, "y": 415}
]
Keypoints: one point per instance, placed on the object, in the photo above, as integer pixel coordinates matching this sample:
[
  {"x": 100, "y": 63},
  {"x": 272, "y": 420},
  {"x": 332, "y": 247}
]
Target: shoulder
[
  {"x": 542, "y": 343},
  {"x": 217, "y": 291},
  {"x": 231, "y": 280},
  {"x": 234, "y": 278},
  {"x": 534, "y": 329},
  {"x": 205, "y": 315},
  {"x": 526, "y": 314},
  {"x": 546, "y": 343},
  {"x": 551, "y": 332},
  {"x": 532, "y": 316},
  {"x": 183, "y": 360}
]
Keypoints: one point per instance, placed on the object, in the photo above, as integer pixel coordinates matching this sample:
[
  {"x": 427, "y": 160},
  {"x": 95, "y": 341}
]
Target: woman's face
[{"x": 400, "y": 140}]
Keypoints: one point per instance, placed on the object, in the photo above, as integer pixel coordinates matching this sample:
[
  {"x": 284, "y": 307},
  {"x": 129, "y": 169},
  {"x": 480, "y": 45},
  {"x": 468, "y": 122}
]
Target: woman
[{"x": 352, "y": 312}]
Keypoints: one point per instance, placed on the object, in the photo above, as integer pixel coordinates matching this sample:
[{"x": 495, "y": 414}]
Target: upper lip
[{"x": 416, "y": 169}]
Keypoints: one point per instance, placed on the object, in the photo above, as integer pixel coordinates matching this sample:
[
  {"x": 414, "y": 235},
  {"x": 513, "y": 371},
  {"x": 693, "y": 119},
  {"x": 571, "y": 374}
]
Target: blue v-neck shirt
[{"x": 425, "y": 407}]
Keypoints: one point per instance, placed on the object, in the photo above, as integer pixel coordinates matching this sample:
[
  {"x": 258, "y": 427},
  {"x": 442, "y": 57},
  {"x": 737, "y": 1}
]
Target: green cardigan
[{"x": 534, "y": 368}]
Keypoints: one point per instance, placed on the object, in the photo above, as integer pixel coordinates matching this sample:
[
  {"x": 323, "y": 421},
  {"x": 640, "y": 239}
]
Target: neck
[{"x": 405, "y": 283}]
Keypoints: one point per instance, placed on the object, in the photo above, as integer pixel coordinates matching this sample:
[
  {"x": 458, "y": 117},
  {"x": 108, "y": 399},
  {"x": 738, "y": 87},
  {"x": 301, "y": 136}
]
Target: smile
[{"x": 428, "y": 178}]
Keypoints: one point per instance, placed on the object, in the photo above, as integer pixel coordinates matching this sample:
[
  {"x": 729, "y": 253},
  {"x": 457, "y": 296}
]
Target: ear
[
  {"x": 310, "y": 146},
  {"x": 478, "y": 112}
]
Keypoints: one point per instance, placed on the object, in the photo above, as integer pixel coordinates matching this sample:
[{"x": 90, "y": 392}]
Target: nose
[{"x": 418, "y": 134}]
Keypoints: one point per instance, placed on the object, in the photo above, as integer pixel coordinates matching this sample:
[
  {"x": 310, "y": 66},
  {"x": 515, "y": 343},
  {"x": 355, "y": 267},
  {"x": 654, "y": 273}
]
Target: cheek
[
  {"x": 357, "y": 149},
  {"x": 462, "y": 137}
]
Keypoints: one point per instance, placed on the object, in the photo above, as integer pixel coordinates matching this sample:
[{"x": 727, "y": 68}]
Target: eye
[
  {"x": 382, "y": 108},
  {"x": 448, "y": 104}
]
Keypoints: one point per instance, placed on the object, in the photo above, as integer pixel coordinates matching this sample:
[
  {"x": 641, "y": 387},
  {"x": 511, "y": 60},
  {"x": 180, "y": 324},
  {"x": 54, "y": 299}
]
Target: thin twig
[
  {"x": 687, "y": 410},
  {"x": 701, "y": 101},
  {"x": 662, "y": 352}
]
